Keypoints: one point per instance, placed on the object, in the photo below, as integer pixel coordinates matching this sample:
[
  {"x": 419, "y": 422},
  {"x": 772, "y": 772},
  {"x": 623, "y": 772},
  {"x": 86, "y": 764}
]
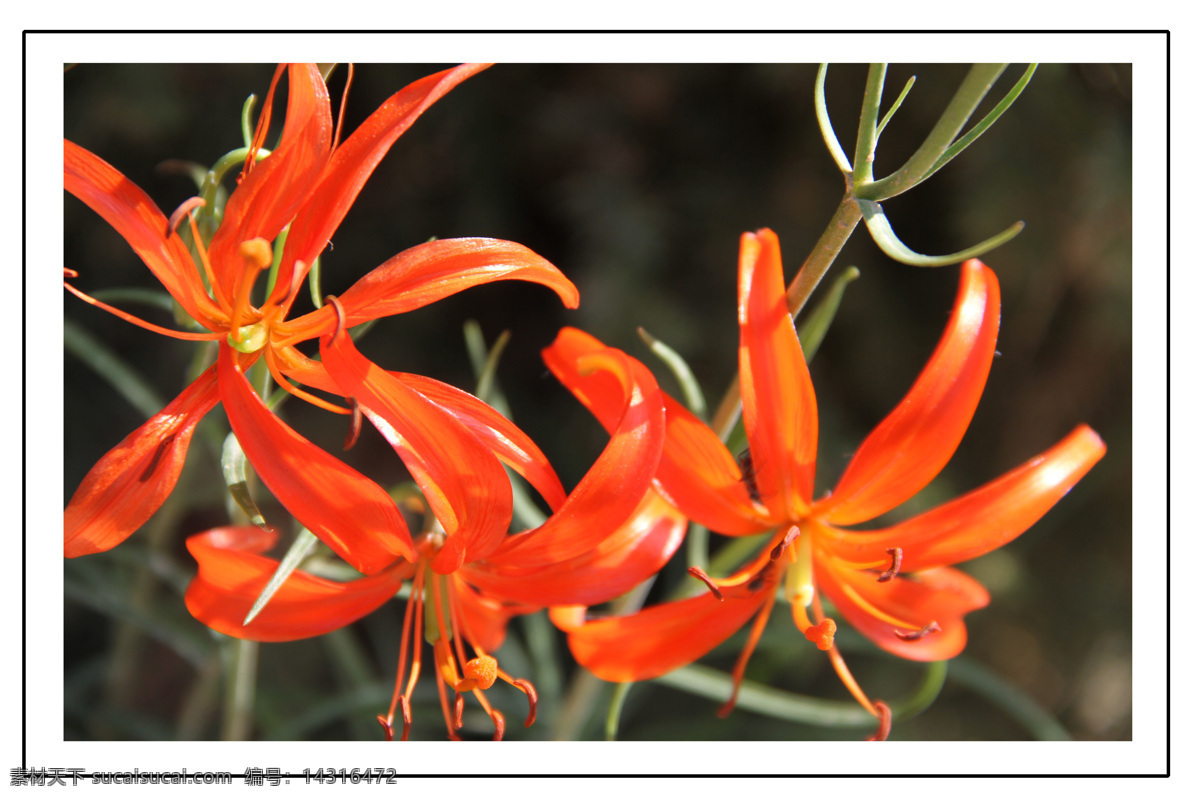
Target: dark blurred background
[{"x": 636, "y": 180}]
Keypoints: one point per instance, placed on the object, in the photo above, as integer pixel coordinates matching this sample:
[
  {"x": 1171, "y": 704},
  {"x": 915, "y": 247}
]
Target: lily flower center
[{"x": 435, "y": 605}]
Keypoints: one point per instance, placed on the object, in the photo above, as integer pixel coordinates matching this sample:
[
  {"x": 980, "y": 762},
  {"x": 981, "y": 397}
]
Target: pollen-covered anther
[
  {"x": 912, "y": 636},
  {"x": 897, "y": 556},
  {"x": 256, "y": 252},
  {"x": 482, "y": 670},
  {"x": 700, "y": 575},
  {"x": 821, "y": 634}
]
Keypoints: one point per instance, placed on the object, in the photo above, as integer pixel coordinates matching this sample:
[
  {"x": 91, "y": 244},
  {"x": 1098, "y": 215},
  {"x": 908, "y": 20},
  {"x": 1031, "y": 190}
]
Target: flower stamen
[
  {"x": 778, "y": 549},
  {"x": 913, "y": 636},
  {"x": 355, "y": 425},
  {"x": 884, "y": 713},
  {"x": 897, "y": 555},
  {"x": 185, "y": 209},
  {"x": 341, "y": 316},
  {"x": 700, "y": 575},
  {"x": 739, "y": 669}
]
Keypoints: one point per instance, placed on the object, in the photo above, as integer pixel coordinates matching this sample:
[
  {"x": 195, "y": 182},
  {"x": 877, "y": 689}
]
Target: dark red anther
[
  {"x": 159, "y": 452},
  {"x": 759, "y": 579},
  {"x": 355, "y": 425},
  {"x": 498, "y": 720},
  {"x": 387, "y": 727},
  {"x": 69, "y": 273},
  {"x": 897, "y": 556},
  {"x": 699, "y": 575},
  {"x": 885, "y": 722},
  {"x": 913, "y": 636},
  {"x": 746, "y": 467},
  {"x": 341, "y": 316},
  {"x": 778, "y": 549},
  {"x": 527, "y": 687}
]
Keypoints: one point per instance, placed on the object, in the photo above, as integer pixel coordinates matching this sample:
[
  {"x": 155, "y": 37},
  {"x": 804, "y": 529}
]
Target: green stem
[
  {"x": 832, "y": 240},
  {"x": 239, "y": 690},
  {"x": 868, "y": 125}
]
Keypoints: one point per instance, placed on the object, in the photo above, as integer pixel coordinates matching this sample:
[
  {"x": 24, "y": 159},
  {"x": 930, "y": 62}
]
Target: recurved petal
[
  {"x": 132, "y": 480},
  {"x": 982, "y": 520},
  {"x": 779, "y": 404},
  {"x": 659, "y": 639},
  {"x": 431, "y": 271},
  {"x": 510, "y": 444},
  {"x": 343, "y": 508},
  {"x": 910, "y": 447},
  {"x": 616, "y": 483},
  {"x": 463, "y": 482},
  {"x": 697, "y": 474},
  {"x": 905, "y": 604},
  {"x": 232, "y": 575},
  {"x": 270, "y": 195},
  {"x": 635, "y": 551},
  {"x": 350, "y": 166},
  {"x": 134, "y": 215}
]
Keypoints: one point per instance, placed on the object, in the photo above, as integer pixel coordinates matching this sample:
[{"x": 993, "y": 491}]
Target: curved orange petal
[
  {"x": 343, "y": 508},
  {"x": 132, "y": 480},
  {"x": 350, "y": 166},
  {"x": 463, "y": 482},
  {"x": 982, "y": 520},
  {"x": 906, "y": 604},
  {"x": 910, "y": 447},
  {"x": 510, "y": 444},
  {"x": 614, "y": 486},
  {"x": 779, "y": 404},
  {"x": 635, "y": 551},
  {"x": 270, "y": 195},
  {"x": 133, "y": 215},
  {"x": 696, "y": 474},
  {"x": 659, "y": 639},
  {"x": 232, "y": 575},
  {"x": 431, "y": 271}
]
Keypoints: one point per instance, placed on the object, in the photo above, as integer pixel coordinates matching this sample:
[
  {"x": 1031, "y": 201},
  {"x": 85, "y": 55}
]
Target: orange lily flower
[
  {"x": 893, "y": 584},
  {"x": 304, "y": 187},
  {"x": 607, "y": 536}
]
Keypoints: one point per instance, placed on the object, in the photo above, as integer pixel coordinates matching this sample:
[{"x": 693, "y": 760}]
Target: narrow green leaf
[
  {"x": 233, "y": 469},
  {"x": 827, "y": 132},
  {"x": 486, "y": 379},
  {"x": 301, "y": 548},
  {"x": 816, "y": 325},
  {"x": 964, "y": 141},
  {"x": 895, "y": 106},
  {"x": 125, "y": 379},
  {"x": 692, "y": 394},
  {"x": 314, "y": 283},
  {"x": 247, "y": 126},
  {"x": 881, "y": 231}
]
